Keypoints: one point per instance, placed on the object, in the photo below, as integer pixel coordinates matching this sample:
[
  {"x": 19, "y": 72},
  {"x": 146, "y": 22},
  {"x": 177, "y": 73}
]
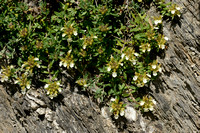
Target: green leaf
[
  {"x": 135, "y": 29},
  {"x": 140, "y": 36},
  {"x": 125, "y": 94}
]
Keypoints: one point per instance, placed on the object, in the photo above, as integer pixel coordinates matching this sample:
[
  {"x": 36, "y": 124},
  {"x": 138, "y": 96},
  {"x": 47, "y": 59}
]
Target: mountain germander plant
[{"x": 110, "y": 46}]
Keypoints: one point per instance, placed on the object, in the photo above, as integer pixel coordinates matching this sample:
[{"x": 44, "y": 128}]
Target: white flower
[
  {"x": 149, "y": 49},
  {"x": 16, "y": 81},
  {"x": 116, "y": 116},
  {"x": 112, "y": 99},
  {"x": 84, "y": 46},
  {"x": 75, "y": 33},
  {"x": 46, "y": 86},
  {"x": 178, "y": 8},
  {"x": 108, "y": 69},
  {"x": 146, "y": 110},
  {"x": 60, "y": 64},
  {"x": 122, "y": 56},
  {"x": 134, "y": 62},
  {"x": 154, "y": 73},
  {"x": 153, "y": 66},
  {"x": 69, "y": 39},
  {"x": 122, "y": 113},
  {"x": 145, "y": 80},
  {"x": 38, "y": 65},
  {"x": 156, "y": 28},
  {"x": 135, "y": 78},
  {"x": 58, "y": 83},
  {"x": 121, "y": 64},
  {"x": 127, "y": 57},
  {"x": 59, "y": 90},
  {"x": 136, "y": 54},
  {"x": 114, "y": 74},
  {"x": 149, "y": 75},
  {"x": 162, "y": 46},
  {"x": 28, "y": 86},
  {"x": 173, "y": 11},
  {"x": 36, "y": 59},
  {"x": 151, "y": 108},
  {"x": 166, "y": 38},
  {"x": 23, "y": 92},
  {"x": 63, "y": 35},
  {"x": 85, "y": 85},
  {"x": 154, "y": 102},
  {"x": 157, "y": 22},
  {"x": 95, "y": 37},
  {"x": 160, "y": 69},
  {"x": 65, "y": 64},
  {"x": 142, "y": 103},
  {"x": 71, "y": 64}
]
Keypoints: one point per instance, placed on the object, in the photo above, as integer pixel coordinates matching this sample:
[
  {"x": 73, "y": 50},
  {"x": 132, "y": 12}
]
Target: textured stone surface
[{"x": 177, "y": 92}]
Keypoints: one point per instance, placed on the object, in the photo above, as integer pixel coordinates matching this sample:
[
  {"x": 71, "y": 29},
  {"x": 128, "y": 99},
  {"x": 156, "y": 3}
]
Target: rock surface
[{"x": 177, "y": 92}]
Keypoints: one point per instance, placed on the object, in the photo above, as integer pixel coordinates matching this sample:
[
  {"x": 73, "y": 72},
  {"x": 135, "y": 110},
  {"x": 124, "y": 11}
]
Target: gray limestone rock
[{"x": 177, "y": 92}]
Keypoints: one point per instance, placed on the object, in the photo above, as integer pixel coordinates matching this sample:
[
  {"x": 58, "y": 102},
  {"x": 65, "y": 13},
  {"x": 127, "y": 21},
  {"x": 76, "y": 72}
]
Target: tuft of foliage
[{"x": 110, "y": 47}]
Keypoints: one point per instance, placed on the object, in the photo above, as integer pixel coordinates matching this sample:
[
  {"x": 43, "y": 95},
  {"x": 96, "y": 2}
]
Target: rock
[
  {"x": 33, "y": 105},
  {"x": 177, "y": 92},
  {"x": 130, "y": 114},
  {"x": 105, "y": 112},
  {"x": 41, "y": 111},
  {"x": 36, "y": 100},
  {"x": 49, "y": 115}
]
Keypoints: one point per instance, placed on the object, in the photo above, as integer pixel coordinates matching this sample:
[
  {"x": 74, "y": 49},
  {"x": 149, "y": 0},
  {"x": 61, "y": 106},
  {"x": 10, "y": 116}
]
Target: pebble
[
  {"x": 130, "y": 114},
  {"x": 41, "y": 111}
]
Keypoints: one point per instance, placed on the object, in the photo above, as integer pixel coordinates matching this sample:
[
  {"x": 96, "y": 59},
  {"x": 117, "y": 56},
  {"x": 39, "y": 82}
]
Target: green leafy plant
[{"x": 109, "y": 58}]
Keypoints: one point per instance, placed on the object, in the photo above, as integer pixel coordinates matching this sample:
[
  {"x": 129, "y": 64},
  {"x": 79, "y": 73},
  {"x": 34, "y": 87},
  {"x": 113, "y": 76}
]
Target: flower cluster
[
  {"x": 117, "y": 108},
  {"x": 103, "y": 10},
  {"x": 161, "y": 41},
  {"x": 6, "y": 73},
  {"x": 23, "y": 82},
  {"x": 31, "y": 63},
  {"x": 155, "y": 67},
  {"x": 168, "y": 9},
  {"x": 129, "y": 54},
  {"x": 69, "y": 30},
  {"x": 113, "y": 65},
  {"x": 39, "y": 44},
  {"x": 145, "y": 47},
  {"x": 104, "y": 28},
  {"x": 53, "y": 88},
  {"x": 147, "y": 104},
  {"x": 175, "y": 10},
  {"x": 157, "y": 21},
  {"x": 82, "y": 82},
  {"x": 67, "y": 61},
  {"x": 141, "y": 79},
  {"x": 88, "y": 40},
  {"x": 23, "y": 33}
]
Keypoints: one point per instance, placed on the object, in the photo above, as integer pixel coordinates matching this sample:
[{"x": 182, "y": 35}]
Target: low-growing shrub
[{"x": 110, "y": 47}]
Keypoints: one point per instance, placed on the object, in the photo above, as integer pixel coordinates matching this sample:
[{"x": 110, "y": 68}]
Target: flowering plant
[{"x": 108, "y": 58}]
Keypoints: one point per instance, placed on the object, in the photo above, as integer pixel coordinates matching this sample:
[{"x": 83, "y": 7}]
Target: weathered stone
[
  {"x": 130, "y": 114},
  {"x": 177, "y": 92},
  {"x": 41, "y": 111}
]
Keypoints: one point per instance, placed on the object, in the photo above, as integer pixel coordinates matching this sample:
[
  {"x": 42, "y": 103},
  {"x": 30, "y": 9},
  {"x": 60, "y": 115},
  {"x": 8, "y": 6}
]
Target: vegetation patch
[{"x": 109, "y": 47}]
